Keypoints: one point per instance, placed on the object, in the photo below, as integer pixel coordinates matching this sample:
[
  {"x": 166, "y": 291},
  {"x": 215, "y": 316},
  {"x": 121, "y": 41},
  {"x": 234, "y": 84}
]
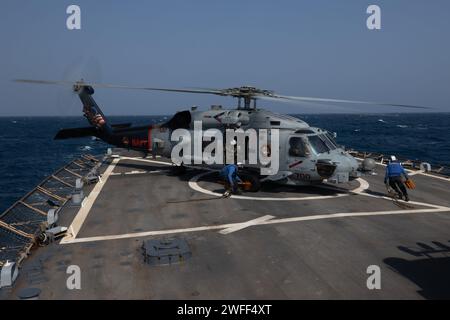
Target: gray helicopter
[{"x": 307, "y": 155}]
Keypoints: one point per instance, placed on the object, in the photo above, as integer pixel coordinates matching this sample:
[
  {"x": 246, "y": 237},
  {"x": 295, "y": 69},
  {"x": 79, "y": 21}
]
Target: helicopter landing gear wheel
[
  {"x": 250, "y": 182},
  {"x": 178, "y": 170}
]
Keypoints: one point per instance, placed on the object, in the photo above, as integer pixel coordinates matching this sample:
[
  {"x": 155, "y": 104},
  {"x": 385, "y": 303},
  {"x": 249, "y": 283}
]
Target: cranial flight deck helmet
[{"x": 393, "y": 158}]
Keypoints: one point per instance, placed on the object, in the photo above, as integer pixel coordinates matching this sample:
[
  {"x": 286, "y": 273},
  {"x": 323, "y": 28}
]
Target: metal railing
[
  {"x": 21, "y": 223},
  {"x": 436, "y": 169}
]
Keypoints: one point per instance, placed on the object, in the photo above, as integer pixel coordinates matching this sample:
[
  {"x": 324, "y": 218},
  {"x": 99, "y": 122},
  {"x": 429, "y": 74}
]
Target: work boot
[
  {"x": 235, "y": 190},
  {"x": 400, "y": 196},
  {"x": 406, "y": 198}
]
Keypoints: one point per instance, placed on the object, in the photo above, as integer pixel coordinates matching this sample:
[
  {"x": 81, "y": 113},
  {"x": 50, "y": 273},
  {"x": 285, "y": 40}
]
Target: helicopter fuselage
[{"x": 307, "y": 155}]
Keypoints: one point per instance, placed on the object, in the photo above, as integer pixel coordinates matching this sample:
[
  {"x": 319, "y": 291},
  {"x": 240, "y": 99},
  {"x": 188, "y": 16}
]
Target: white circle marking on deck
[{"x": 363, "y": 185}]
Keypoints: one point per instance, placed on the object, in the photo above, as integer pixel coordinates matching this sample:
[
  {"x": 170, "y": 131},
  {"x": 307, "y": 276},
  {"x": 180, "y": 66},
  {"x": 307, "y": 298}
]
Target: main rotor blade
[
  {"x": 307, "y": 104},
  {"x": 70, "y": 83},
  {"x": 311, "y": 99},
  {"x": 106, "y": 85},
  {"x": 187, "y": 90},
  {"x": 234, "y": 92}
]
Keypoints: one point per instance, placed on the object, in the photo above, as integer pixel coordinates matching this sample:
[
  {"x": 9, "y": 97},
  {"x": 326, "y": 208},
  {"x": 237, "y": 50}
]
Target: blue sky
[{"x": 316, "y": 48}]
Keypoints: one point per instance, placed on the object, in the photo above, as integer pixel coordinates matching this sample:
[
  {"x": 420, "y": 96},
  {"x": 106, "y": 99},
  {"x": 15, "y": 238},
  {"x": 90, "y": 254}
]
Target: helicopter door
[{"x": 298, "y": 152}]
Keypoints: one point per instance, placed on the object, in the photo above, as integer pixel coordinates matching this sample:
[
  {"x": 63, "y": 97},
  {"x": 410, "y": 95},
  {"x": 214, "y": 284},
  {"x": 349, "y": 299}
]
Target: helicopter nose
[
  {"x": 325, "y": 168},
  {"x": 346, "y": 163},
  {"x": 349, "y": 163},
  {"x": 346, "y": 169}
]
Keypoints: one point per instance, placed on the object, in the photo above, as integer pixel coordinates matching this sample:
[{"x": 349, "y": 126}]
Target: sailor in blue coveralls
[
  {"x": 230, "y": 174},
  {"x": 393, "y": 176}
]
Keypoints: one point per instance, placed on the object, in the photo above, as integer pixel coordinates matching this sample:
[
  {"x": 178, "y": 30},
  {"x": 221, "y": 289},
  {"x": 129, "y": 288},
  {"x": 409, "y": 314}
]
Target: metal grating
[{"x": 24, "y": 220}]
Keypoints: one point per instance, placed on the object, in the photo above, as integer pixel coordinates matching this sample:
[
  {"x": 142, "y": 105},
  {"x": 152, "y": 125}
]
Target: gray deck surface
[{"x": 313, "y": 259}]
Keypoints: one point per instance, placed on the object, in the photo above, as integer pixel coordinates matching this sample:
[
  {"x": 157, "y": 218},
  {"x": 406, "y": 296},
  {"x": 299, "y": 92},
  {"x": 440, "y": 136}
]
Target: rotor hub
[
  {"x": 247, "y": 93},
  {"x": 78, "y": 85}
]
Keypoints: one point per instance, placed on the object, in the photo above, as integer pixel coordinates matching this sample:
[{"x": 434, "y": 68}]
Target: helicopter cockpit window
[
  {"x": 298, "y": 147},
  {"x": 331, "y": 138},
  {"x": 318, "y": 144},
  {"x": 330, "y": 144}
]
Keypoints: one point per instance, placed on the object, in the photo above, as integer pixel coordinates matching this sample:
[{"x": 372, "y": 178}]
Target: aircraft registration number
[{"x": 301, "y": 176}]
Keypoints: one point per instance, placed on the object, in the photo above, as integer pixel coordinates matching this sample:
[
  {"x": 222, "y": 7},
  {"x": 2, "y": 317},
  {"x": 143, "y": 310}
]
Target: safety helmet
[
  {"x": 393, "y": 158},
  {"x": 240, "y": 164}
]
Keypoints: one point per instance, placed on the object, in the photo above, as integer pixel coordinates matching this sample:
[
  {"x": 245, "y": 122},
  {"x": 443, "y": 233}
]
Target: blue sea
[{"x": 28, "y": 152}]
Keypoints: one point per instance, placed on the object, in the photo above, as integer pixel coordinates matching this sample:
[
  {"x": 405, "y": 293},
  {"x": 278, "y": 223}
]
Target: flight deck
[{"x": 312, "y": 242}]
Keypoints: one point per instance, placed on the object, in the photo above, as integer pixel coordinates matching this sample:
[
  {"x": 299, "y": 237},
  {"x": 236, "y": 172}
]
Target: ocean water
[
  {"x": 28, "y": 152},
  {"x": 414, "y": 136}
]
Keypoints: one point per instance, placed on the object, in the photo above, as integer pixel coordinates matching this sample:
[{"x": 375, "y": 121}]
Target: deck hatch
[{"x": 165, "y": 251}]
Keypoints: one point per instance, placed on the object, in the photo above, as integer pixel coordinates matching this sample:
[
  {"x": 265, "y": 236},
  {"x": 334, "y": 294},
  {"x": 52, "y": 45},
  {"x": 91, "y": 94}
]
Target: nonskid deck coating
[{"x": 248, "y": 248}]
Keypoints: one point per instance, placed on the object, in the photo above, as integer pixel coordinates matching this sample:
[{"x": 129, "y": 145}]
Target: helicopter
[{"x": 307, "y": 155}]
